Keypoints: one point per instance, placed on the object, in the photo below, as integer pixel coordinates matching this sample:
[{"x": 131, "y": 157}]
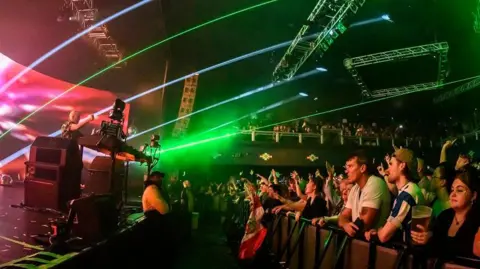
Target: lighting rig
[
  {"x": 84, "y": 12},
  {"x": 438, "y": 49},
  {"x": 186, "y": 106},
  {"x": 329, "y": 15},
  {"x": 472, "y": 84}
]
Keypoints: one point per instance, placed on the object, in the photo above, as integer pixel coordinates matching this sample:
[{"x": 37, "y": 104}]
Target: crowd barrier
[{"x": 300, "y": 245}]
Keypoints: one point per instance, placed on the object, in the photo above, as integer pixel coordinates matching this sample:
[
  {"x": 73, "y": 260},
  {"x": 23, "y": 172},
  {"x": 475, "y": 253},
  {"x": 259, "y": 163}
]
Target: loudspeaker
[
  {"x": 53, "y": 173},
  {"x": 94, "y": 217},
  {"x": 99, "y": 177}
]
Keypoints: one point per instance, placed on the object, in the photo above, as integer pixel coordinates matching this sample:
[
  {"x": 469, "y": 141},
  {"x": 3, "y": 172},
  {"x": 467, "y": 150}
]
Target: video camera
[{"x": 115, "y": 126}]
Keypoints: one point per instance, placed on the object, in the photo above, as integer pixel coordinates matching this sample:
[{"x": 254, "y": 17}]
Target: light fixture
[
  {"x": 321, "y": 69},
  {"x": 303, "y": 94}
]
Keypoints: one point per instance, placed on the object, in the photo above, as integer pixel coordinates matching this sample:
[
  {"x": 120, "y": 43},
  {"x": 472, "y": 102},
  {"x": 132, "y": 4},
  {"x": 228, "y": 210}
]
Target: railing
[
  {"x": 337, "y": 137},
  {"x": 299, "y": 245}
]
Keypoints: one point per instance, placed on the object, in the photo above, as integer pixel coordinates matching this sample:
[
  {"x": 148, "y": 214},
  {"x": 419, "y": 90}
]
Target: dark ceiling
[{"x": 29, "y": 28}]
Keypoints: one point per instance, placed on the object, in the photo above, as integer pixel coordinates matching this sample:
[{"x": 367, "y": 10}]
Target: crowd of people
[
  {"x": 370, "y": 129},
  {"x": 380, "y": 204}
]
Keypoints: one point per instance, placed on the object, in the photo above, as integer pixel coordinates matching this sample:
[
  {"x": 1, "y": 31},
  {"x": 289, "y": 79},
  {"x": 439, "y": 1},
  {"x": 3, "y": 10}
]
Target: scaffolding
[
  {"x": 186, "y": 106},
  {"x": 85, "y": 13},
  {"x": 329, "y": 15},
  {"x": 437, "y": 49},
  {"x": 472, "y": 84}
]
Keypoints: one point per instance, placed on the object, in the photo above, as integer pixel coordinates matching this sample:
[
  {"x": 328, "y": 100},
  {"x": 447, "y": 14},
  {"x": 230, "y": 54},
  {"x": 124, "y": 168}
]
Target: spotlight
[
  {"x": 321, "y": 69},
  {"x": 303, "y": 94},
  {"x": 386, "y": 17}
]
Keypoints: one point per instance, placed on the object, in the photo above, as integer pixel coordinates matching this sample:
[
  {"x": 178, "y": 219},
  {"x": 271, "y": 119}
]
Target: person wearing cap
[
  {"x": 154, "y": 201},
  {"x": 402, "y": 171}
]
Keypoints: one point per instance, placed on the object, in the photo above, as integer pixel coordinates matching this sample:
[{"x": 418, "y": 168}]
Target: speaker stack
[{"x": 53, "y": 173}]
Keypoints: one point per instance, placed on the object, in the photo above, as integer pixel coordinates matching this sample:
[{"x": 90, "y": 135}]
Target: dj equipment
[
  {"x": 118, "y": 150},
  {"x": 53, "y": 173}
]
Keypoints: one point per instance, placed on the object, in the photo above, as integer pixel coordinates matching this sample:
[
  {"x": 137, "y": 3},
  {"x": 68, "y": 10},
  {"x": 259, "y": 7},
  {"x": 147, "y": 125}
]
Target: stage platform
[{"x": 19, "y": 226}]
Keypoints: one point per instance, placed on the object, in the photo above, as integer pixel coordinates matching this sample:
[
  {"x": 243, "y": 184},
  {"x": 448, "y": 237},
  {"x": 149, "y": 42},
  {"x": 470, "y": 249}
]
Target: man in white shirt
[{"x": 368, "y": 204}]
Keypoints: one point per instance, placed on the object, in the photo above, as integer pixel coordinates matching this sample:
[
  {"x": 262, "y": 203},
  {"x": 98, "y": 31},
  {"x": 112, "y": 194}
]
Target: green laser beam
[
  {"x": 134, "y": 55},
  {"x": 199, "y": 142},
  {"x": 194, "y": 143},
  {"x": 363, "y": 103}
]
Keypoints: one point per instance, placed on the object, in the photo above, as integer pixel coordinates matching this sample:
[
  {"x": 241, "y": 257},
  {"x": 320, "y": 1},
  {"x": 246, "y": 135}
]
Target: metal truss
[
  {"x": 405, "y": 89},
  {"x": 400, "y": 54},
  {"x": 84, "y": 12},
  {"x": 476, "y": 16},
  {"x": 186, "y": 106},
  {"x": 472, "y": 84},
  {"x": 329, "y": 15}
]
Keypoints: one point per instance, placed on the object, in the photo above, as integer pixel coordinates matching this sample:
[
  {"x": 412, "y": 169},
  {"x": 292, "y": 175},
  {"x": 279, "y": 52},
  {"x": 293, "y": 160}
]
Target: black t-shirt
[
  {"x": 316, "y": 209},
  {"x": 461, "y": 244}
]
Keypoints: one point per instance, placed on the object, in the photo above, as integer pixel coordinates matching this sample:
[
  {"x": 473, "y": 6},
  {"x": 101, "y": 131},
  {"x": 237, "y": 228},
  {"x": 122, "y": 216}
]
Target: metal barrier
[{"x": 299, "y": 245}]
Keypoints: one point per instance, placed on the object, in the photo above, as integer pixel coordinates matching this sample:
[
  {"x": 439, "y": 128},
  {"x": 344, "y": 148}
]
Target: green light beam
[
  {"x": 199, "y": 142},
  {"x": 134, "y": 55}
]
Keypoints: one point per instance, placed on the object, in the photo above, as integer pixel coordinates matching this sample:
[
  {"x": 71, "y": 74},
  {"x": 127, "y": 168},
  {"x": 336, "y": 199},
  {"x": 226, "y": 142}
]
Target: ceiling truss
[
  {"x": 85, "y": 13},
  {"x": 329, "y": 15},
  {"x": 439, "y": 50}
]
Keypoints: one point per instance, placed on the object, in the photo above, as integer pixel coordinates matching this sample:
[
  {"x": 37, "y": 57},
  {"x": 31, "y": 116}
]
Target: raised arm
[{"x": 83, "y": 122}]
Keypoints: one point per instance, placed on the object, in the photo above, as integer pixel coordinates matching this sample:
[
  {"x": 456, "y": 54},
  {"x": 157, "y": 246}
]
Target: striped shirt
[{"x": 401, "y": 215}]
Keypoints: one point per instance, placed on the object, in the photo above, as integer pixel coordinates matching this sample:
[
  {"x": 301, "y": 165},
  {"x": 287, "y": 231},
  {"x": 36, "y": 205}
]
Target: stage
[{"x": 18, "y": 226}]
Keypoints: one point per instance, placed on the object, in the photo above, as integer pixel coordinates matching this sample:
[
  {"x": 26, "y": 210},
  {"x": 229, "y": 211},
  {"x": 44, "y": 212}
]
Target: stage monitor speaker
[
  {"x": 53, "y": 173},
  {"x": 94, "y": 217},
  {"x": 99, "y": 177},
  {"x": 53, "y": 150}
]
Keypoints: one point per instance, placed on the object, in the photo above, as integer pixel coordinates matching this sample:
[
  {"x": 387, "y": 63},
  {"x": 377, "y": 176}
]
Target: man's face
[
  {"x": 394, "y": 170},
  {"x": 353, "y": 170}
]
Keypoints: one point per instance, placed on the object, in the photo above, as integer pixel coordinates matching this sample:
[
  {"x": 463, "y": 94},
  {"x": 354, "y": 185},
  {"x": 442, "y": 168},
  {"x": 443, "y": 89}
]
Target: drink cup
[{"x": 420, "y": 216}]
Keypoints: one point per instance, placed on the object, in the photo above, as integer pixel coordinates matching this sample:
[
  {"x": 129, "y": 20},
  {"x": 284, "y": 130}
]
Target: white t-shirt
[{"x": 375, "y": 194}]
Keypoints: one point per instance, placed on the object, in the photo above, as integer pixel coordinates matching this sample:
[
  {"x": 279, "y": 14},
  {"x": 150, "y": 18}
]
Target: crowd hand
[
  {"x": 381, "y": 170},
  {"x": 369, "y": 234},
  {"x": 449, "y": 143},
  {"x": 387, "y": 159},
  {"x": 92, "y": 117},
  {"x": 350, "y": 228},
  {"x": 277, "y": 209},
  {"x": 317, "y": 173},
  {"x": 320, "y": 221},
  {"x": 330, "y": 169},
  {"x": 273, "y": 173},
  {"x": 297, "y": 216},
  {"x": 420, "y": 238}
]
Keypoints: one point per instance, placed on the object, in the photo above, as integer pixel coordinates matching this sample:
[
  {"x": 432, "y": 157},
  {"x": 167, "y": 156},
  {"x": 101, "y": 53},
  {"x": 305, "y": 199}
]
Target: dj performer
[{"x": 71, "y": 128}]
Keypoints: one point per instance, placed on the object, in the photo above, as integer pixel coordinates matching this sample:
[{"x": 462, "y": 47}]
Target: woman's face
[
  {"x": 460, "y": 195},
  {"x": 310, "y": 188},
  {"x": 345, "y": 190}
]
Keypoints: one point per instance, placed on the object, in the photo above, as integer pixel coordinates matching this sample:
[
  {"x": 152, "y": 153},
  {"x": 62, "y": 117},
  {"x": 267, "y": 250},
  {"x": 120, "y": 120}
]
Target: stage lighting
[
  {"x": 116, "y": 114},
  {"x": 321, "y": 69},
  {"x": 303, "y": 94},
  {"x": 386, "y": 17}
]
